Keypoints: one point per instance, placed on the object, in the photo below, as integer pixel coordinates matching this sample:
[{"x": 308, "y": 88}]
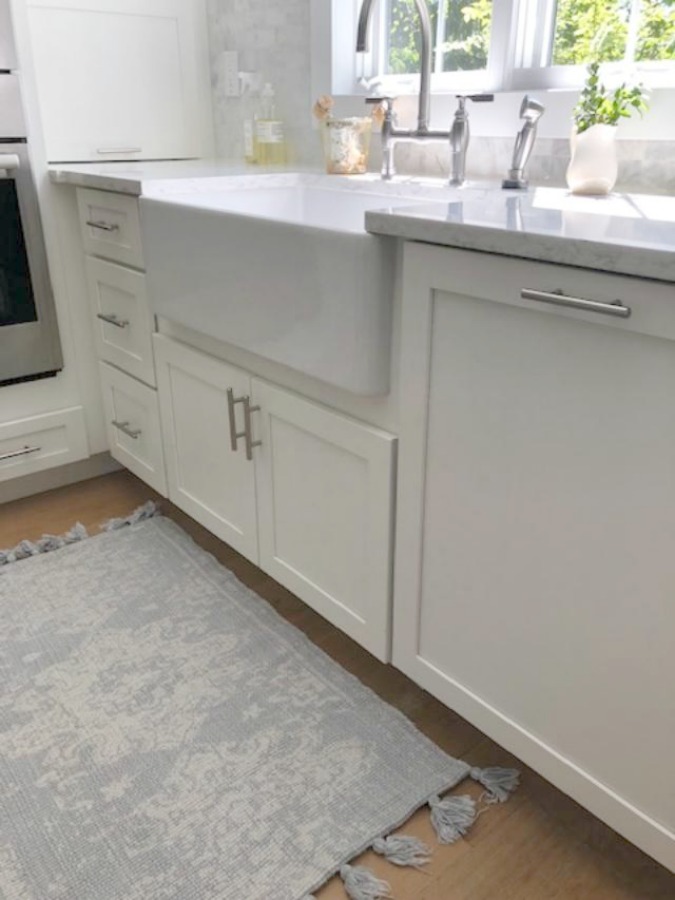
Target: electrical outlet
[{"x": 230, "y": 72}]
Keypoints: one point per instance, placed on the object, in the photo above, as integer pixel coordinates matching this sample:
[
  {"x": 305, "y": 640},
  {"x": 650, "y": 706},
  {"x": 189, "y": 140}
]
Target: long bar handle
[
  {"x": 112, "y": 319},
  {"x": 248, "y": 428},
  {"x": 23, "y": 452},
  {"x": 108, "y": 151},
  {"x": 125, "y": 429},
  {"x": 103, "y": 226},
  {"x": 234, "y": 434},
  {"x": 557, "y": 298}
]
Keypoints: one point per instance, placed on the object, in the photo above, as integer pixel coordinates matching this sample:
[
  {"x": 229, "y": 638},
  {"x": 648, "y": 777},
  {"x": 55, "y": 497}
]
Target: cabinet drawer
[
  {"x": 600, "y": 298},
  {"x": 134, "y": 435},
  {"x": 41, "y": 442},
  {"x": 123, "y": 323},
  {"x": 110, "y": 226}
]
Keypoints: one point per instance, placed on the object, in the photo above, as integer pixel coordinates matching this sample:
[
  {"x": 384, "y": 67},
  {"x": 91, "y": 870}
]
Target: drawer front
[
  {"x": 600, "y": 298},
  {"x": 110, "y": 226},
  {"x": 123, "y": 323},
  {"x": 42, "y": 442},
  {"x": 132, "y": 417}
]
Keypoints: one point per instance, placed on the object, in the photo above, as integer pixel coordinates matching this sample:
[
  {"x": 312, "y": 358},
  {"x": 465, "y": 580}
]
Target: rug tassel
[
  {"x": 361, "y": 884},
  {"x": 147, "y": 511},
  {"x": 403, "y": 850},
  {"x": 452, "y": 817},
  {"x": 45, "y": 544},
  {"x": 498, "y": 782}
]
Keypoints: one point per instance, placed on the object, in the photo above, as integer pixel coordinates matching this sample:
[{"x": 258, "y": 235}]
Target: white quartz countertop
[
  {"x": 630, "y": 234},
  {"x": 129, "y": 177}
]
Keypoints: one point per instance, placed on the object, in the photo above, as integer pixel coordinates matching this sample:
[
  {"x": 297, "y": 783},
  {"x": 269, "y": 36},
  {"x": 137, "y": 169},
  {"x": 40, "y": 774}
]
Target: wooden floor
[{"x": 537, "y": 846}]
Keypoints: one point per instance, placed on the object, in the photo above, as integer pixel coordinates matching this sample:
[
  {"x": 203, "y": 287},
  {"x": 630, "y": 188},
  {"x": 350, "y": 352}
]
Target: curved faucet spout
[{"x": 425, "y": 62}]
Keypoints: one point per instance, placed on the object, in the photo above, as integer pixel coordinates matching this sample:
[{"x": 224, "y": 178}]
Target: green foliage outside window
[
  {"x": 585, "y": 30},
  {"x": 657, "y": 30},
  {"x": 467, "y": 33}
]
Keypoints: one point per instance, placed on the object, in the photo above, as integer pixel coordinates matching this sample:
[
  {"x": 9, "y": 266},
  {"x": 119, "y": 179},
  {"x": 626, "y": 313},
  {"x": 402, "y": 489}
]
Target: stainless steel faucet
[
  {"x": 460, "y": 134},
  {"x": 531, "y": 110},
  {"x": 391, "y": 135}
]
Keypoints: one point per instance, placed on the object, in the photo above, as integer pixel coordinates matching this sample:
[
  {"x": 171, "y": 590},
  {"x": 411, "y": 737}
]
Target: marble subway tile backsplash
[
  {"x": 273, "y": 39},
  {"x": 644, "y": 166}
]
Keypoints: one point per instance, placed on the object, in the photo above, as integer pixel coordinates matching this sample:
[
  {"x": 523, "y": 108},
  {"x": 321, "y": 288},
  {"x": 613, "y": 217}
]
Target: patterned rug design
[{"x": 165, "y": 735}]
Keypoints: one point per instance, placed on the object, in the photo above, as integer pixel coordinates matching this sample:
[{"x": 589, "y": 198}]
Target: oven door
[{"x": 29, "y": 341}]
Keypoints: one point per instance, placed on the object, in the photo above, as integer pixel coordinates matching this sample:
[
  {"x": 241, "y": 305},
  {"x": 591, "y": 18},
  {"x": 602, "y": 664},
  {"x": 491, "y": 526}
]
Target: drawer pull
[
  {"x": 125, "y": 429},
  {"x": 112, "y": 319},
  {"x": 107, "y": 151},
  {"x": 103, "y": 226},
  {"x": 23, "y": 452},
  {"x": 248, "y": 428},
  {"x": 234, "y": 434},
  {"x": 557, "y": 298}
]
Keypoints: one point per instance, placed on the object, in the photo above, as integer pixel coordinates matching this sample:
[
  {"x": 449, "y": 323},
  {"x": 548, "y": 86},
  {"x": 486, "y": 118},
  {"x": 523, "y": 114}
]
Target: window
[{"x": 512, "y": 44}]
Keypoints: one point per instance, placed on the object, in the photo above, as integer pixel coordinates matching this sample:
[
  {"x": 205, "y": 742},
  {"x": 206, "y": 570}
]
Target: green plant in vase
[
  {"x": 600, "y": 106},
  {"x": 593, "y": 168}
]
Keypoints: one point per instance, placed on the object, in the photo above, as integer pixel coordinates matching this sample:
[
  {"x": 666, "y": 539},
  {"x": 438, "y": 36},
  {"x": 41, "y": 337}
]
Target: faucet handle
[
  {"x": 388, "y": 100},
  {"x": 385, "y": 113},
  {"x": 478, "y": 98}
]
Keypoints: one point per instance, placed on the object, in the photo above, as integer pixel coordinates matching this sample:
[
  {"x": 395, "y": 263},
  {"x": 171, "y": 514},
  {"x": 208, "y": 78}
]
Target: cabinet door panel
[
  {"x": 325, "y": 501},
  {"x": 115, "y": 81},
  {"x": 535, "y": 566},
  {"x": 207, "y": 479}
]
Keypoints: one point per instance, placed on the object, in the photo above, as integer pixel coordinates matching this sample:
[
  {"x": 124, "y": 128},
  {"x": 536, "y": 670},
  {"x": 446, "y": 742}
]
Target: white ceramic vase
[{"x": 593, "y": 168}]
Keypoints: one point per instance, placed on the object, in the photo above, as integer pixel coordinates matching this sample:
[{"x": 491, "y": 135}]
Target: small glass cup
[{"x": 346, "y": 144}]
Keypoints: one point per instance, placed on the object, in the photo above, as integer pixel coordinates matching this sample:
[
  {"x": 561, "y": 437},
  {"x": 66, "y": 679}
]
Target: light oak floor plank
[{"x": 539, "y": 846}]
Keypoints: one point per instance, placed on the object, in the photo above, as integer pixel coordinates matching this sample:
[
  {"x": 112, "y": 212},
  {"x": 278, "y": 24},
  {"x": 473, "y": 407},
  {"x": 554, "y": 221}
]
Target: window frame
[{"x": 511, "y": 62}]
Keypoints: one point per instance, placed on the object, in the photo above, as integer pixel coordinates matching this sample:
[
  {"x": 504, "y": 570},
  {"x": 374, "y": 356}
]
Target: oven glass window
[{"x": 17, "y": 303}]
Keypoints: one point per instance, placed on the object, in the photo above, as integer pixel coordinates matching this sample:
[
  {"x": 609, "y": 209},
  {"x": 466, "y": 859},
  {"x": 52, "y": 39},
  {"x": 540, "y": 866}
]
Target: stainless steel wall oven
[{"x": 29, "y": 340}]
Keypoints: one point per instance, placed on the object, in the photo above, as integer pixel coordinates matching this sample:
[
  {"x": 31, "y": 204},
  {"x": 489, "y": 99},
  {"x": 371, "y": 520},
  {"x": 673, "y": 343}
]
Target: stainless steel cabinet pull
[
  {"x": 106, "y": 151},
  {"x": 557, "y": 298},
  {"x": 112, "y": 320},
  {"x": 234, "y": 434},
  {"x": 103, "y": 226},
  {"x": 23, "y": 452},
  {"x": 248, "y": 428},
  {"x": 125, "y": 429}
]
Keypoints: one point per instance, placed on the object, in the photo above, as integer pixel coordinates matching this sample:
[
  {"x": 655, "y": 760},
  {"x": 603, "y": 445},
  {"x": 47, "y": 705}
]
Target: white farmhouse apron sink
[{"x": 281, "y": 265}]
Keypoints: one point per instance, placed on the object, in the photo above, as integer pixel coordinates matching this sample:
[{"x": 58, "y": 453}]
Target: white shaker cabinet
[
  {"x": 301, "y": 490},
  {"x": 326, "y": 505},
  {"x": 535, "y": 558},
  {"x": 119, "y": 79},
  {"x": 206, "y": 477}
]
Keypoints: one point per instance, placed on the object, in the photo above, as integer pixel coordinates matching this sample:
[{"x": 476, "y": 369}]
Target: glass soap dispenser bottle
[
  {"x": 270, "y": 135},
  {"x": 250, "y": 101}
]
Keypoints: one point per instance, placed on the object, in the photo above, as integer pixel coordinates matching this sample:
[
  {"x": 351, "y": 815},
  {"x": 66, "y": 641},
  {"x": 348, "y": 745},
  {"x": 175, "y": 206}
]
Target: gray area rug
[{"x": 165, "y": 735}]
